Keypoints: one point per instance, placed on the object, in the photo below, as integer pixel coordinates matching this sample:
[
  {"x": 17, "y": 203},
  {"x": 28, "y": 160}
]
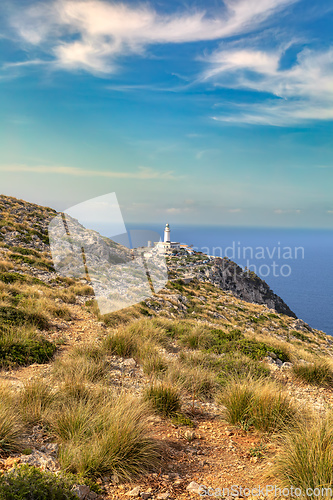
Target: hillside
[{"x": 137, "y": 400}]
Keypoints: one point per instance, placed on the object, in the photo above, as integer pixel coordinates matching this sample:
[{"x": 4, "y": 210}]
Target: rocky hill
[
  {"x": 228, "y": 276},
  {"x": 134, "y": 403}
]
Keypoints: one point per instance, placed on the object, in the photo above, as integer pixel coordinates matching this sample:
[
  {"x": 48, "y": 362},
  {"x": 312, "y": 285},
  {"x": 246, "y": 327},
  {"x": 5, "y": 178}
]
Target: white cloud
[
  {"x": 281, "y": 211},
  {"x": 303, "y": 92},
  {"x": 105, "y": 31},
  {"x": 142, "y": 172}
]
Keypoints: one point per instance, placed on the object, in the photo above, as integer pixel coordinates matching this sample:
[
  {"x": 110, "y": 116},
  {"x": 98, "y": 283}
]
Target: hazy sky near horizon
[{"x": 214, "y": 112}]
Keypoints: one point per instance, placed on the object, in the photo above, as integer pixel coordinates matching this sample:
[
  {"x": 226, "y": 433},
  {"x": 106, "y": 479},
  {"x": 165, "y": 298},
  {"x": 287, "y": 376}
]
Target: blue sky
[{"x": 205, "y": 112}]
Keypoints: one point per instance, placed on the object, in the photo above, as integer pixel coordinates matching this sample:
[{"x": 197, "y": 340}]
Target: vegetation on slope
[{"x": 194, "y": 342}]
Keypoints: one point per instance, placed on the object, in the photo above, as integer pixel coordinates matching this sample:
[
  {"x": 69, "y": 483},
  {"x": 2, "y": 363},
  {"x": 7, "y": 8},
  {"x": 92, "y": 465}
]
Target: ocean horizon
[{"x": 297, "y": 264}]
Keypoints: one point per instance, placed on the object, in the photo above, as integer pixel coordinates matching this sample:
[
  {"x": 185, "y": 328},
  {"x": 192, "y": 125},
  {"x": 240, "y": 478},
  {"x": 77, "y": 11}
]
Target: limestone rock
[
  {"x": 81, "y": 491},
  {"x": 193, "y": 487},
  {"x": 135, "y": 492}
]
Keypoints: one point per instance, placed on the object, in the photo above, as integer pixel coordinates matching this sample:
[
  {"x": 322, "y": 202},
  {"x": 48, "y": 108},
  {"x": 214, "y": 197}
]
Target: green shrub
[
  {"x": 300, "y": 336},
  {"x": 25, "y": 251},
  {"x": 238, "y": 365},
  {"x": 318, "y": 373},
  {"x": 164, "y": 398},
  {"x": 19, "y": 348},
  {"x": 234, "y": 341},
  {"x": 9, "y": 278},
  {"x": 181, "y": 419},
  {"x": 28, "y": 482},
  {"x": 15, "y": 317}
]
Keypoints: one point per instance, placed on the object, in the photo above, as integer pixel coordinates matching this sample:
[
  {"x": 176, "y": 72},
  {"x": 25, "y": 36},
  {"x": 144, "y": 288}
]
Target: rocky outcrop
[{"x": 245, "y": 285}]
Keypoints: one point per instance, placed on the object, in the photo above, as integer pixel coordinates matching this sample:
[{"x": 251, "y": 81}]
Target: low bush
[
  {"x": 16, "y": 317},
  {"x": 7, "y": 277},
  {"x": 27, "y": 482},
  {"x": 238, "y": 365},
  {"x": 24, "y": 347},
  {"x": 234, "y": 341}
]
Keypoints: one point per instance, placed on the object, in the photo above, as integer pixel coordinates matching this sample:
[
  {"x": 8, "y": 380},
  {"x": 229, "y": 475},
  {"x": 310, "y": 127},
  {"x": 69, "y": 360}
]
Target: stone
[
  {"x": 145, "y": 495},
  {"x": 135, "y": 492},
  {"x": 286, "y": 366},
  {"x": 92, "y": 496},
  {"x": 272, "y": 355},
  {"x": 193, "y": 487},
  {"x": 129, "y": 363},
  {"x": 81, "y": 491},
  {"x": 163, "y": 496},
  {"x": 300, "y": 325},
  {"x": 41, "y": 460}
]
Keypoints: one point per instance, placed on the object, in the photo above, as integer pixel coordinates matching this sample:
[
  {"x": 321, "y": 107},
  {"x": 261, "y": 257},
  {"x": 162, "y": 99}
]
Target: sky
[{"x": 207, "y": 112}]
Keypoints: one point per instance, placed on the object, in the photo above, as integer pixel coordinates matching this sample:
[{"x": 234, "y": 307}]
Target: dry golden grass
[
  {"x": 5, "y": 265},
  {"x": 306, "y": 455},
  {"x": 106, "y": 439},
  {"x": 258, "y": 403}
]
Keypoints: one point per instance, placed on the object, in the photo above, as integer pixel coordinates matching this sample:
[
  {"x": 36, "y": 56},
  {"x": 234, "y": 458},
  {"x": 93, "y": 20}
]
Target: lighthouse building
[{"x": 167, "y": 245}]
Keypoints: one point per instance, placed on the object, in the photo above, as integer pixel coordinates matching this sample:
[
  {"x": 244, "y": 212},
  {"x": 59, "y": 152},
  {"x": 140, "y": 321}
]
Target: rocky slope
[
  {"x": 203, "y": 306},
  {"x": 26, "y": 225}
]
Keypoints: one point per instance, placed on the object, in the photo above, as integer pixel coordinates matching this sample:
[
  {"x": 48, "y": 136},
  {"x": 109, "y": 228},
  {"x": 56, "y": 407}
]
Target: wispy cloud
[
  {"x": 93, "y": 34},
  {"x": 280, "y": 211},
  {"x": 143, "y": 173},
  {"x": 301, "y": 93}
]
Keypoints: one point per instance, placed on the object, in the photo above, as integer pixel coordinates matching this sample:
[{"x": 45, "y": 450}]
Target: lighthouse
[
  {"x": 167, "y": 246},
  {"x": 167, "y": 234}
]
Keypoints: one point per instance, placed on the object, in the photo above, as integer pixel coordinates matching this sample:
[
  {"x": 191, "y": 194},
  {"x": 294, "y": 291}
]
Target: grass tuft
[
  {"x": 114, "y": 440},
  {"x": 259, "y": 404},
  {"x": 164, "y": 398},
  {"x": 317, "y": 373},
  {"x": 11, "y": 429},
  {"x": 306, "y": 455}
]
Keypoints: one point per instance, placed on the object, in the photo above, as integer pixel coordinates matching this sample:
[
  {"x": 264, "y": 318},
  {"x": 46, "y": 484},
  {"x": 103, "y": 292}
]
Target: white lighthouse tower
[
  {"x": 167, "y": 246},
  {"x": 167, "y": 234}
]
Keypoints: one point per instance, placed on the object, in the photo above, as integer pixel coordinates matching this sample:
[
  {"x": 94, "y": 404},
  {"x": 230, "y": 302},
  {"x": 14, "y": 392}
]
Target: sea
[{"x": 297, "y": 264}]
